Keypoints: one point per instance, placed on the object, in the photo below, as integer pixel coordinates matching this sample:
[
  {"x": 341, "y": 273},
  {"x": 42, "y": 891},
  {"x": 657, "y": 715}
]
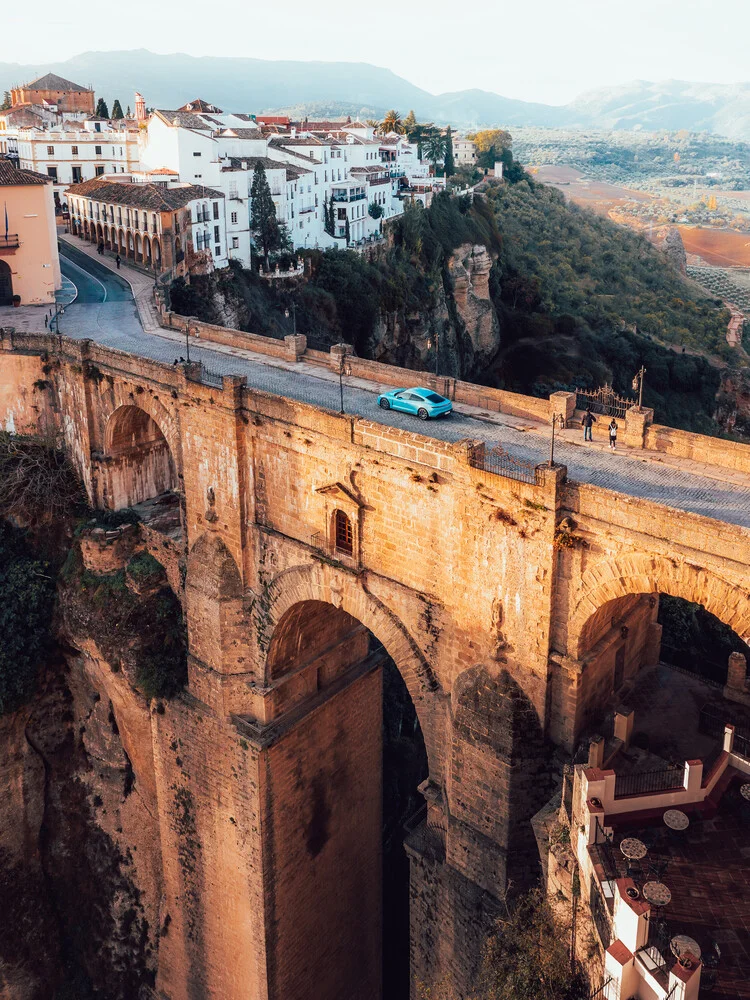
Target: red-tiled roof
[{"x": 11, "y": 176}]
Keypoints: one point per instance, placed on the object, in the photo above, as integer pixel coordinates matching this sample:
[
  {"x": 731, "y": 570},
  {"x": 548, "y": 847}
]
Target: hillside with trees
[{"x": 579, "y": 300}]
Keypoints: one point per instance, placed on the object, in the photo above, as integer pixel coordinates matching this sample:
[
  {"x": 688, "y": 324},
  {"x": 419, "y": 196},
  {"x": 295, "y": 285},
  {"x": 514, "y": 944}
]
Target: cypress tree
[
  {"x": 267, "y": 235},
  {"x": 7, "y": 103},
  {"x": 449, "y": 166},
  {"x": 102, "y": 111},
  {"x": 128, "y": 113},
  {"x": 117, "y": 110},
  {"x": 347, "y": 233}
]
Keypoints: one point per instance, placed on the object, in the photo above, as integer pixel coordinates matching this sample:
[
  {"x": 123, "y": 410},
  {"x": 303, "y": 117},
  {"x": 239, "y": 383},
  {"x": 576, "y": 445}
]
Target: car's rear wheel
[
  {"x": 422, "y": 413},
  {"x": 385, "y": 404}
]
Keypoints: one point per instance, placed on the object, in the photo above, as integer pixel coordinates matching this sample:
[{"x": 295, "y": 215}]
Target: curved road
[{"x": 106, "y": 312}]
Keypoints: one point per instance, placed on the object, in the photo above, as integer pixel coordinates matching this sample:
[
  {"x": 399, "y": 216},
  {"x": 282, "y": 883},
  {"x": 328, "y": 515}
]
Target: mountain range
[{"x": 338, "y": 88}]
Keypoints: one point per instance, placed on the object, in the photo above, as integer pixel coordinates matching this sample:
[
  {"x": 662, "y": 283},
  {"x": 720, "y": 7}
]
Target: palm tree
[
  {"x": 434, "y": 147},
  {"x": 392, "y": 123}
]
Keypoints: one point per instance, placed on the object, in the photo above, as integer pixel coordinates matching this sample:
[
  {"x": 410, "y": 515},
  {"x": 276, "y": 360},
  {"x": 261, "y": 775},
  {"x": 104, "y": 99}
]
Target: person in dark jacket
[{"x": 587, "y": 422}]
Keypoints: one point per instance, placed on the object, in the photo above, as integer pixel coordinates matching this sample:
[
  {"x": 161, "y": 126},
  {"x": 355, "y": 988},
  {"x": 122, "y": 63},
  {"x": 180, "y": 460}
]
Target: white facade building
[{"x": 72, "y": 152}]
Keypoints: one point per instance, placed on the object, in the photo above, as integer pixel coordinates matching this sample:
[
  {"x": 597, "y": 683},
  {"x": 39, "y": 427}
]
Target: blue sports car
[{"x": 423, "y": 403}]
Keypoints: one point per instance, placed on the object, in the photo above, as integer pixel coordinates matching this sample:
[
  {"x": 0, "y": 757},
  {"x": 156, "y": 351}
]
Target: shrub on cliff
[
  {"x": 37, "y": 481},
  {"x": 27, "y": 593}
]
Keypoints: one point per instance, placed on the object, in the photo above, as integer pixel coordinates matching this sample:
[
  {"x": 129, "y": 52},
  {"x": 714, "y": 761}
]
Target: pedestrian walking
[
  {"x": 587, "y": 422},
  {"x": 613, "y": 434},
  {"x": 117, "y": 261}
]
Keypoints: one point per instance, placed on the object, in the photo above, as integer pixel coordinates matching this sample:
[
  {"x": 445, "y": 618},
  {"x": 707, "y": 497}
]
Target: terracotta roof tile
[
  {"x": 11, "y": 176},
  {"x": 154, "y": 197}
]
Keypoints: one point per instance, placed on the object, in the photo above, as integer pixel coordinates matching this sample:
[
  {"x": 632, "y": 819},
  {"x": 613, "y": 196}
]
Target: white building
[
  {"x": 71, "y": 152},
  {"x": 464, "y": 152}
]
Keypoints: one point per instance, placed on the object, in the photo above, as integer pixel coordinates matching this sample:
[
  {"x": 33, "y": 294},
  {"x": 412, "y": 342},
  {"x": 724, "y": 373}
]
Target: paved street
[{"x": 106, "y": 312}]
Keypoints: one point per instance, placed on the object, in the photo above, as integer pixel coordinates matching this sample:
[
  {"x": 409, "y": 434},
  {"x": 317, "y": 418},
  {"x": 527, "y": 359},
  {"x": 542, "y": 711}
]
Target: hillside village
[{"x": 121, "y": 182}]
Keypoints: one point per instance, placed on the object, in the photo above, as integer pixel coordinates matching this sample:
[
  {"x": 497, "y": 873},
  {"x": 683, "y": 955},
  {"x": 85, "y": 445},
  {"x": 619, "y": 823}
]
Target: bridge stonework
[{"x": 514, "y": 612}]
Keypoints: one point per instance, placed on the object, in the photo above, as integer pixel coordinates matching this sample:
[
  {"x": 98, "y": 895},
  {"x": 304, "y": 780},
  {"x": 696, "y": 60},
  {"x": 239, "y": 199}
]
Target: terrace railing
[
  {"x": 646, "y": 782},
  {"x": 603, "y": 400},
  {"x": 710, "y": 760},
  {"x": 742, "y": 745},
  {"x": 497, "y": 461},
  {"x": 600, "y": 916}
]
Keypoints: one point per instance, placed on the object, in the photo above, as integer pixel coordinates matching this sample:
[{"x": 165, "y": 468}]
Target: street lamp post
[
  {"x": 187, "y": 341},
  {"x": 557, "y": 418},
  {"x": 638, "y": 384},
  {"x": 294, "y": 317}
]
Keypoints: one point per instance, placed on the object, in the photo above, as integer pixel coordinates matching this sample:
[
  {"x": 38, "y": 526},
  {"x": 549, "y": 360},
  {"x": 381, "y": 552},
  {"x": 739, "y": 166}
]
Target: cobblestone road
[{"x": 114, "y": 322}]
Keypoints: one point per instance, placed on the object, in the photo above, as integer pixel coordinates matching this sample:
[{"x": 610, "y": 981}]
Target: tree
[
  {"x": 392, "y": 123},
  {"x": 347, "y": 233},
  {"x": 128, "y": 113},
  {"x": 410, "y": 123},
  {"x": 7, "y": 103},
  {"x": 449, "y": 164},
  {"x": 328, "y": 220},
  {"x": 527, "y": 957},
  {"x": 434, "y": 148},
  {"x": 102, "y": 111},
  {"x": 117, "y": 110},
  {"x": 496, "y": 137},
  {"x": 419, "y": 134},
  {"x": 268, "y": 236},
  {"x": 375, "y": 210}
]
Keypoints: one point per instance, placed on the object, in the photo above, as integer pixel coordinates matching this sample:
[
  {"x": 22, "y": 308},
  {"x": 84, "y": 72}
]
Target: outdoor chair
[{"x": 635, "y": 870}]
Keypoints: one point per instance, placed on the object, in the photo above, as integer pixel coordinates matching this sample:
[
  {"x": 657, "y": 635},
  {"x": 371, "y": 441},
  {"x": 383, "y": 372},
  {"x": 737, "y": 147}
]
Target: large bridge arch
[
  {"x": 139, "y": 461},
  {"x": 641, "y": 573},
  {"x": 613, "y": 631},
  {"x": 342, "y": 590}
]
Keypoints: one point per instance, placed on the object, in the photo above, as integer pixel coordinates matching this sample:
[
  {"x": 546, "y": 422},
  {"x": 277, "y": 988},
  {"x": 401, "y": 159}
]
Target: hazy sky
[{"x": 543, "y": 50}]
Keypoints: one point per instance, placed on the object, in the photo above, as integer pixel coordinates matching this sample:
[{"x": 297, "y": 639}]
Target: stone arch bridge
[{"x": 513, "y": 610}]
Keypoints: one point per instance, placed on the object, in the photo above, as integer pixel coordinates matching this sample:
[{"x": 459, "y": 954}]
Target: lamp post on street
[
  {"x": 638, "y": 384},
  {"x": 294, "y": 317},
  {"x": 557, "y": 419}
]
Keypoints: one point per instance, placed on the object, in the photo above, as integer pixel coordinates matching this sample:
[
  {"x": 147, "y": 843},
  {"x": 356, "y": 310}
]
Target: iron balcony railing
[
  {"x": 497, "y": 461},
  {"x": 601, "y": 917},
  {"x": 646, "y": 782},
  {"x": 9, "y": 242}
]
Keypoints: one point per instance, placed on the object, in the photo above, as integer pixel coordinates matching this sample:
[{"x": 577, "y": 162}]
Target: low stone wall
[{"x": 698, "y": 447}]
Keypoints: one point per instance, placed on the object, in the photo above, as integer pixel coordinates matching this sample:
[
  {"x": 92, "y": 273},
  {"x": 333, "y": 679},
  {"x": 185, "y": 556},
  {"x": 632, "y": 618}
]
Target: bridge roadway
[{"x": 105, "y": 312}]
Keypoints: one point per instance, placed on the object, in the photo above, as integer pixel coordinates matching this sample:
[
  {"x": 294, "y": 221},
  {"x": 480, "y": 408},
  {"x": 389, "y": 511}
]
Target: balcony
[
  {"x": 202, "y": 217},
  {"x": 9, "y": 243},
  {"x": 348, "y": 197}
]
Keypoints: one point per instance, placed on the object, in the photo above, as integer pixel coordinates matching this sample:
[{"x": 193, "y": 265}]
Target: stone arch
[
  {"x": 641, "y": 573},
  {"x": 130, "y": 250},
  {"x": 322, "y": 584},
  {"x": 138, "y": 248},
  {"x": 156, "y": 251},
  {"x": 99, "y": 233},
  {"x": 121, "y": 241},
  {"x": 217, "y": 626},
  {"x": 147, "y": 251},
  {"x": 139, "y": 460}
]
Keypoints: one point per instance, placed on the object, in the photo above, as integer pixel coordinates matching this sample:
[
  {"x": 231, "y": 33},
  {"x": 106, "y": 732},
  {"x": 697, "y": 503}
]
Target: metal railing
[
  {"x": 647, "y": 782},
  {"x": 742, "y": 745},
  {"x": 205, "y": 376},
  {"x": 609, "y": 990},
  {"x": 603, "y": 400},
  {"x": 9, "y": 242},
  {"x": 497, "y": 461}
]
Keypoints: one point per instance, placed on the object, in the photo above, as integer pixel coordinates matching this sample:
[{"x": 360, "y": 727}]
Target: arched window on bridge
[
  {"x": 343, "y": 534},
  {"x": 139, "y": 464}
]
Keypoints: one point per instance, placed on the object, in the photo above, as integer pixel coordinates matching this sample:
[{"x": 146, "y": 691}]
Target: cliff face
[
  {"x": 463, "y": 322},
  {"x": 80, "y": 861},
  {"x": 733, "y": 401}
]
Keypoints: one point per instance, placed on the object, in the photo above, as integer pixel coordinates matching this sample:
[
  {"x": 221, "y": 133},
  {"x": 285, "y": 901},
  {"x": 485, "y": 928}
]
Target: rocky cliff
[
  {"x": 80, "y": 861},
  {"x": 733, "y": 401}
]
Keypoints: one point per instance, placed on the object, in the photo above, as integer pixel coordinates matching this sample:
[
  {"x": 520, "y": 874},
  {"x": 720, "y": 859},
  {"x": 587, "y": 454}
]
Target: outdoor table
[
  {"x": 681, "y": 944},
  {"x": 656, "y": 893},
  {"x": 633, "y": 849},
  {"x": 676, "y": 819},
  {"x": 745, "y": 791}
]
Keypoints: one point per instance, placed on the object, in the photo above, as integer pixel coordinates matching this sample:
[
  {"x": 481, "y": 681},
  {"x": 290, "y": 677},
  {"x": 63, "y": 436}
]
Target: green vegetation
[
  {"x": 142, "y": 635},
  {"x": 117, "y": 110},
  {"x": 27, "y": 593},
  {"x": 38, "y": 485},
  {"x": 580, "y": 301},
  {"x": 102, "y": 111}
]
